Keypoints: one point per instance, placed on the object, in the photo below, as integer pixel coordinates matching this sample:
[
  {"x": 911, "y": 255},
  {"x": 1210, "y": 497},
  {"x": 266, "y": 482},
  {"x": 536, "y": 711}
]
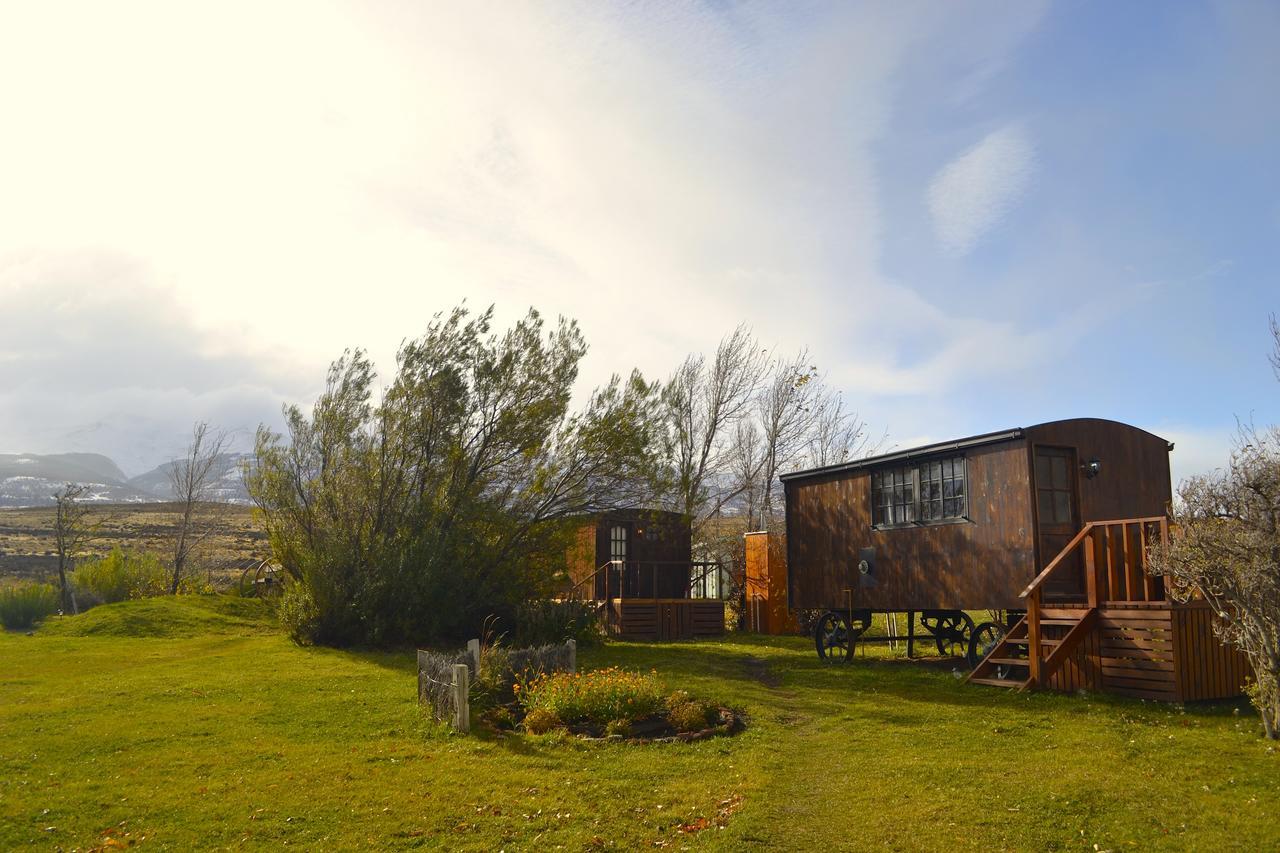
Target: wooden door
[
  {"x": 613, "y": 543},
  {"x": 1058, "y": 520}
]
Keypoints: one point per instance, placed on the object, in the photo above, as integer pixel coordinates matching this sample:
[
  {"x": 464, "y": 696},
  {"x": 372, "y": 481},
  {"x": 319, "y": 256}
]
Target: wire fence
[
  {"x": 445, "y": 679},
  {"x": 437, "y": 686}
]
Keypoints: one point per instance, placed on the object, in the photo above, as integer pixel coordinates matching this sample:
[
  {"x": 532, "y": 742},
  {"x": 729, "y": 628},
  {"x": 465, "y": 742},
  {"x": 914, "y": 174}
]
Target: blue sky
[{"x": 975, "y": 216}]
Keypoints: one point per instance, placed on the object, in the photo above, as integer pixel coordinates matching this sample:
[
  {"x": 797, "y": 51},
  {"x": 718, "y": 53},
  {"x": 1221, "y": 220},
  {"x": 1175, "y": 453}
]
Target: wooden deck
[
  {"x": 1124, "y": 637},
  {"x": 658, "y": 619}
]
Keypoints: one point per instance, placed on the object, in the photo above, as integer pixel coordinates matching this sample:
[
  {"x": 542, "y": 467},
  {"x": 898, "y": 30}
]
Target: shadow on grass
[{"x": 802, "y": 677}]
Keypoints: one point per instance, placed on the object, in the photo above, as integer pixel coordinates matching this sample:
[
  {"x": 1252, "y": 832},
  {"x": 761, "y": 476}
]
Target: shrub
[
  {"x": 501, "y": 718},
  {"x": 299, "y": 615},
  {"x": 618, "y": 728},
  {"x": 540, "y": 721},
  {"x": 692, "y": 716},
  {"x": 25, "y": 604},
  {"x": 120, "y": 576},
  {"x": 600, "y": 696},
  {"x": 546, "y": 622}
]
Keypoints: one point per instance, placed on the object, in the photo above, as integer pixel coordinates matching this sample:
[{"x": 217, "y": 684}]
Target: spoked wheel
[
  {"x": 986, "y": 637},
  {"x": 261, "y": 580},
  {"x": 951, "y": 630},
  {"x": 835, "y": 638},
  {"x": 831, "y": 636}
]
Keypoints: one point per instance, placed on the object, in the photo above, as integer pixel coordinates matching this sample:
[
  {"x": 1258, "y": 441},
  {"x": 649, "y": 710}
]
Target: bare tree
[
  {"x": 738, "y": 424},
  {"x": 191, "y": 479},
  {"x": 71, "y": 532},
  {"x": 703, "y": 405},
  {"x": 1275, "y": 352},
  {"x": 839, "y": 435},
  {"x": 1226, "y": 549},
  {"x": 802, "y": 423}
]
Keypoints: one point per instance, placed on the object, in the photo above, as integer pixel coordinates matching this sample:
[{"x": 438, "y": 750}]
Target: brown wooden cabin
[
  {"x": 1051, "y": 519},
  {"x": 638, "y": 564}
]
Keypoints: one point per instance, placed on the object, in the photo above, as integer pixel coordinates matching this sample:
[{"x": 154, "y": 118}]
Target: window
[
  {"x": 923, "y": 493},
  {"x": 1053, "y": 485},
  {"x": 618, "y": 543}
]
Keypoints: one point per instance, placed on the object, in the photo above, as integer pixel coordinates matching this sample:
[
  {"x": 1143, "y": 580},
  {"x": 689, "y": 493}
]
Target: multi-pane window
[
  {"x": 921, "y": 493},
  {"x": 1053, "y": 485},
  {"x": 618, "y": 543}
]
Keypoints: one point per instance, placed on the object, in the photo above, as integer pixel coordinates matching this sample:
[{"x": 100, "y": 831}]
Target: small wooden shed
[
  {"x": 1049, "y": 523},
  {"x": 638, "y": 564},
  {"x": 767, "y": 610}
]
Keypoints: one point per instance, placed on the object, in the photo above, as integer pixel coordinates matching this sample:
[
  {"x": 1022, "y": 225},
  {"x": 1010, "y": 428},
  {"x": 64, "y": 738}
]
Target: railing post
[
  {"x": 1111, "y": 594},
  {"x": 1091, "y": 568},
  {"x": 1033, "y": 637}
]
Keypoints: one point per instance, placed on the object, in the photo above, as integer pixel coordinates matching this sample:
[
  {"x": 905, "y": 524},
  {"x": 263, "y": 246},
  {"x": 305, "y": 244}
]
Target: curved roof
[{"x": 951, "y": 446}]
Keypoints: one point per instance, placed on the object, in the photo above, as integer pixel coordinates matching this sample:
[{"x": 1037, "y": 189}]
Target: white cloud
[
  {"x": 977, "y": 190},
  {"x": 316, "y": 175}
]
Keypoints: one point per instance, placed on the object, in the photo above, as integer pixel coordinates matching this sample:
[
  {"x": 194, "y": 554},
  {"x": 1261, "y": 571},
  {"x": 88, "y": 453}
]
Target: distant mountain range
[{"x": 29, "y": 479}]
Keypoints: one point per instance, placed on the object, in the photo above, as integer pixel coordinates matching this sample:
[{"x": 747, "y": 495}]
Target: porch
[{"x": 658, "y": 600}]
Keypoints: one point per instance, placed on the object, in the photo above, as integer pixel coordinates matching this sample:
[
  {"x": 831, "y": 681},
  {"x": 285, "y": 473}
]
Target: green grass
[{"x": 225, "y": 734}]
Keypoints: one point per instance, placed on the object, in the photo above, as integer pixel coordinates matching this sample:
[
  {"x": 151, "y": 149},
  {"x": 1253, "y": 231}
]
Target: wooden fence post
[
  {"x": 473, "y": 649},
  {"x": 573, "y": 654},
  {"x": 422, "y": 675},
  {"x": 461, "y": 691}
]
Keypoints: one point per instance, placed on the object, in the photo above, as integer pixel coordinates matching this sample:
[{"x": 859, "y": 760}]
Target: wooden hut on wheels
[
  {"x": 1047, "y": 525},
  {"x": 638, "y": 566}
]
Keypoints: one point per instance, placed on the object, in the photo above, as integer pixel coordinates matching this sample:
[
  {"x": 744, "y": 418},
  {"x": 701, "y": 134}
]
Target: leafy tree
[{"x": 412, "y": 518}]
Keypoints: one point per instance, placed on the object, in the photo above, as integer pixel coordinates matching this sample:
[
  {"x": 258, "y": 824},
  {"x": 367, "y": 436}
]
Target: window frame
[{"x": 908, "y": 476}]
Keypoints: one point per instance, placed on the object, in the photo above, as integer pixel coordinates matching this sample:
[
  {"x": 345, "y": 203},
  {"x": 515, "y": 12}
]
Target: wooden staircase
[{"x": 1037, "y": 646}]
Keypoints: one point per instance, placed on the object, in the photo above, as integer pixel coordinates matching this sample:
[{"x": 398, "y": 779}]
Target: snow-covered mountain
[
  {"x": 30, "y": 479},
  {"x": 227, "y": 487}
]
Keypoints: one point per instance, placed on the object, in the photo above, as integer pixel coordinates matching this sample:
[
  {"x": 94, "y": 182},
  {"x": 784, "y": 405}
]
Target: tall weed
[
  {"x": 120, "y": 576},
  {"x": 24, "y": 604}
]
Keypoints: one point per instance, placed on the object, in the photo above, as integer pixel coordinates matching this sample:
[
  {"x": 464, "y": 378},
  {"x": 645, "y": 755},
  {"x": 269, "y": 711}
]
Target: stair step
[
  {"x": 1009, "y": 661},
  {"x": 1064, "y": 622},
  {"x": 1000, "y": 682},
  {"x": 1018, "y": 641},
  {"x": 1063, "y": 612}
]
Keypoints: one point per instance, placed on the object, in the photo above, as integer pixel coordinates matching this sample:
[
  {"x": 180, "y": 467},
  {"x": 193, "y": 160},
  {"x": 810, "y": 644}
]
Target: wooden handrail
[
  {"x": 1076, "y": 540},
  {"x": 707, "y": 567}
]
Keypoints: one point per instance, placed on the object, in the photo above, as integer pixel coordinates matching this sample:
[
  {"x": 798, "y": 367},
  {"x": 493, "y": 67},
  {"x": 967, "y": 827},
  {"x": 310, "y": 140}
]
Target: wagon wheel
[
  {"x": 986, "y": 637},
  {"x": 835, "y": 638},
  {"x": 261, "y": 579},
  {"x": 950, "y": 629}
]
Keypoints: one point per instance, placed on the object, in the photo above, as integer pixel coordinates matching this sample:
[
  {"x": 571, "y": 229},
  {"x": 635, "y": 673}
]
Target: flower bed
[{"x": 616, "y": 704}]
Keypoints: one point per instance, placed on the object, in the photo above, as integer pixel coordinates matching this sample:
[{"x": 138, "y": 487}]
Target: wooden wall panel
[
  {"x": 1134, "y": 482},
  {"x": 1207, "y": 668},
  {"x": 980, "y": 563}
]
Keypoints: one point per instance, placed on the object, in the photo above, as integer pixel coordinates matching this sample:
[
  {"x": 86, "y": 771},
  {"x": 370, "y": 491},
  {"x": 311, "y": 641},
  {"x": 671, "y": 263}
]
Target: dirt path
[{"x": 759, "y": 670}]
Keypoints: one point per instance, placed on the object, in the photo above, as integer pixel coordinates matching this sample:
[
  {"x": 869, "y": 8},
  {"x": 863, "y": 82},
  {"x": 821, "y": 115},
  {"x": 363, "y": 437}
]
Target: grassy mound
[{"x": 168, "y": 617}]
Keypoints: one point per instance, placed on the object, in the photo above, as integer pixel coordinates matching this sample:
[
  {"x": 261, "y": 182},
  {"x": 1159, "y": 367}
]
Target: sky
[{"x": 974, "y": 216}]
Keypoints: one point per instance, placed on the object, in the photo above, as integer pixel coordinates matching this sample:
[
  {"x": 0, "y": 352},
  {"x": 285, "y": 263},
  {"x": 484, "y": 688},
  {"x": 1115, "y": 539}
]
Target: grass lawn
[{"x": 224, "y": 734}]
